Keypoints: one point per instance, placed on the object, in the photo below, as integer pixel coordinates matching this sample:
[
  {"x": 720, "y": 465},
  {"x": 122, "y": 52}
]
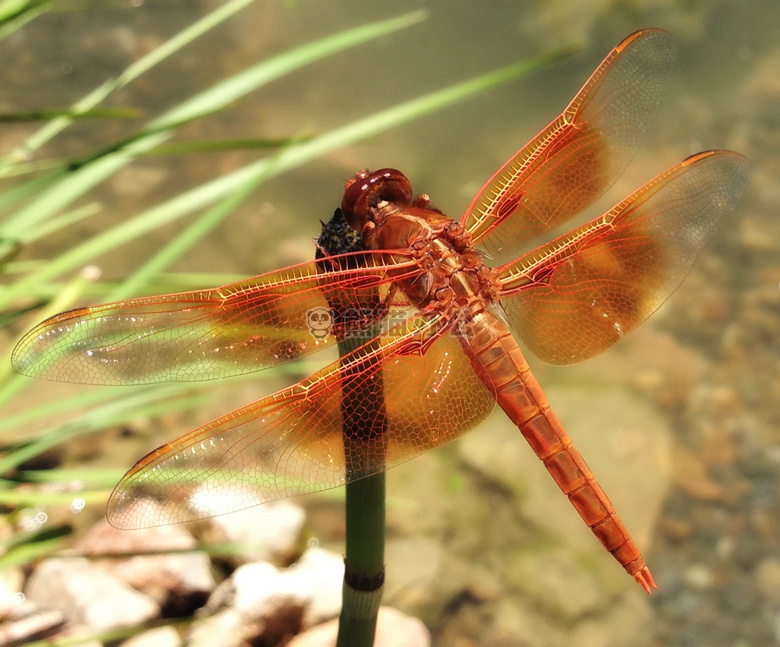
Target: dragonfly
[{"x": 435, "y": 309}]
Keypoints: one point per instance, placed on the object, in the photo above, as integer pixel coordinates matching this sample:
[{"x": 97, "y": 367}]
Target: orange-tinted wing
[
  {"x": 579, "y": 294},
  {"x": 291, "y": 442},
  {"x": 580, "y": 154},
  {"x": 209, "y": 334}
]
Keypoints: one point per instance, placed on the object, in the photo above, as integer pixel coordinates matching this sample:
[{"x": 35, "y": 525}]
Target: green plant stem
[
  {"x": 364, "y": 561},
  {"x": 365, "y": 542},
  {"x": 364, "y": 422},
  {"x": 364, "y": 435}
]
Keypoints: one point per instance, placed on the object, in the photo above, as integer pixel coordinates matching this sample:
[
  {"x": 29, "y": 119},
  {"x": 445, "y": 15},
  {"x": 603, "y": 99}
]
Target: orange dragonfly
[{"x": 448, "y": 351}]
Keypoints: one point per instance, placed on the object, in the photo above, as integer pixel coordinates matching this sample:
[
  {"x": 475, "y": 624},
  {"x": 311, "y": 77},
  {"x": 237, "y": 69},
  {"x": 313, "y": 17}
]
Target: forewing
[
  {"x": 581, "y": 293},
  {"x": 235, "y": 329},
  {"x": 292, "y": 442},
  {"x": 570, "y": 163}
]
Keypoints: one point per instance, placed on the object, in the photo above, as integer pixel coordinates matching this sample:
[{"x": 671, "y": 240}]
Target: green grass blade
[
  {"x": 221, "y": 145},
  {"x": 288, "y": 159},
  {"x": 68, "y": 219},
  {"x": 94, "y": 113},
  {"x": 32, "y": 498},
  {"x": 174, "y": 250},
  {"x": 148, "y": 402},
  {"x": 93, "y": 477},
  {"x": 30, "y": 189},
  {"x": 13, "y": 383},
  {"x": 32, "y": 167},
  {"x": 55, "y": 409},
  {"x": 32, "y": 546},
  {"x": 214, "y": 99},
  {"x": 73, "y": 185},
  {"x": 15, "y": 14},
  {"x": 241, "y": 84},
  {"x": 144, "y": 64}
]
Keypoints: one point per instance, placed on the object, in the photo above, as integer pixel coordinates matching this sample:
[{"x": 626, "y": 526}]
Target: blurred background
[{"x": 679, "y": 422}]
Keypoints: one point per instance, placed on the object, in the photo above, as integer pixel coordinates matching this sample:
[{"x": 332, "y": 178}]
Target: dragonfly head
[{"x": 366, "y": 190}]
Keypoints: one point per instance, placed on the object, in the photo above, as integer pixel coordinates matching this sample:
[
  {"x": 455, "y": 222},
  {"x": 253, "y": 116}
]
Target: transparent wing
[
  {"x": 578, "y": 295},
  {"x": 411, "y": 390},
  {"x": 203, "y": 335},
  {"x": 570, "y": 163}
]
